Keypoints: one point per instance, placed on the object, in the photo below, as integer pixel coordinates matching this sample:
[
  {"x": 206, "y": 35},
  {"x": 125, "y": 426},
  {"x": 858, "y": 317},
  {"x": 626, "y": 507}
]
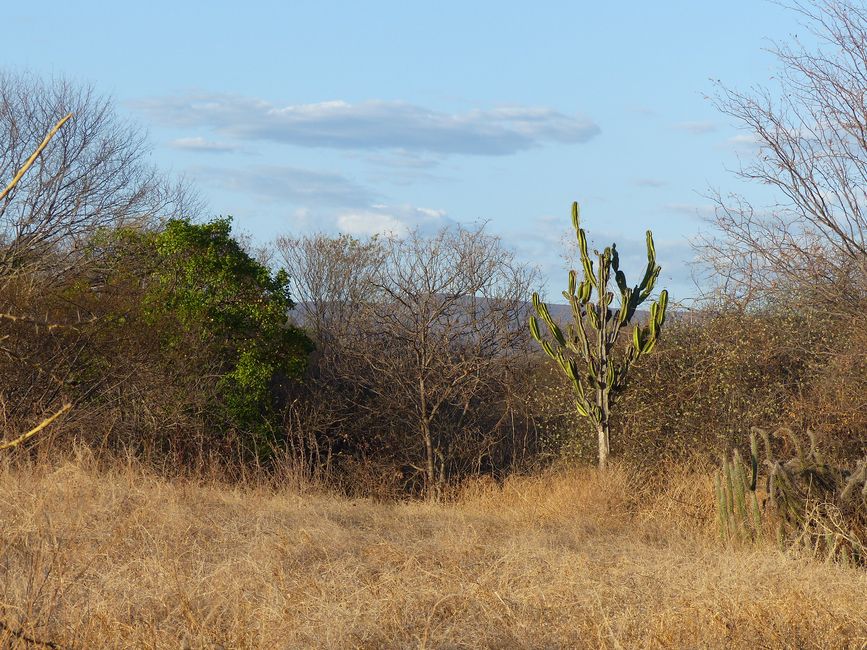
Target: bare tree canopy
[
  {"x": 811, "y": 138},
  {"x": 428, "y": 326},
  {"x": 95, "y": 173},
  {"x": 330, "y": 278}
]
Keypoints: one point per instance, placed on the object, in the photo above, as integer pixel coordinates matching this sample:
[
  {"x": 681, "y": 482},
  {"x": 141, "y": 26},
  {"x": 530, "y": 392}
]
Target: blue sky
[{"x": 303, "y": 116}]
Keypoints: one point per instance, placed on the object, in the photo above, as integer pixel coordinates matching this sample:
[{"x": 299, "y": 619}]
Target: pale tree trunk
[{"x": 430, "y": 479}]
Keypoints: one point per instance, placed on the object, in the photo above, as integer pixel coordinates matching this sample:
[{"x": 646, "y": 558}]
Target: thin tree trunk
[{"x": 430, "y": 479}]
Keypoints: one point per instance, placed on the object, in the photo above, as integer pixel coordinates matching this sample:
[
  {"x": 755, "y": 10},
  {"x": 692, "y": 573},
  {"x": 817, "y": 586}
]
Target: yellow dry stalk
[
  {"x": 35, "y": 155},
  {"x": 39, "y": 427},
  {"x": 12, "y": 318}
]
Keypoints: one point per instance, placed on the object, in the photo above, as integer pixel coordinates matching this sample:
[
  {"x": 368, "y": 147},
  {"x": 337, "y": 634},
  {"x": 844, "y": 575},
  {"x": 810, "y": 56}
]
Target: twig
[
  {"x": 19, "y": 634},
  {"x": 47, "y": 325}
]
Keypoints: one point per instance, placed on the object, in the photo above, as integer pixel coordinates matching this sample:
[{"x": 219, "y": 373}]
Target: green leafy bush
[
  {"x": 205, "y": 285},
  {"x": 202, "y": 325}
]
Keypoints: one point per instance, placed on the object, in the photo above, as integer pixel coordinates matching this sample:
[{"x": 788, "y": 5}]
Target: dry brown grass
[{"x": 117, "y": 557}]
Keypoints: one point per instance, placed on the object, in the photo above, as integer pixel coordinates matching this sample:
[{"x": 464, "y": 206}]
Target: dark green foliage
[
  {"x": 219, "y": 317},
  {"x": 209, "y": 286},
  {"x": 596, "y": 375}
]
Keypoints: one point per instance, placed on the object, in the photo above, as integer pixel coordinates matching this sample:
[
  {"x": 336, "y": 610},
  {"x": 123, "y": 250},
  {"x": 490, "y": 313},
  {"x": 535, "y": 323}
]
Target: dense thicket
[{"x": 167, "y": 340}]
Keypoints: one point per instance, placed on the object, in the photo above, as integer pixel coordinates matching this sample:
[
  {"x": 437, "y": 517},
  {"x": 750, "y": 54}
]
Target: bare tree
[
  {"x": 95, "y": 174},
  {"x": 427, "y": 325},
  {"x": 28, "y": 163},
  {"x": 331, "y": 278},
  {"x": 810, "y": 135}
]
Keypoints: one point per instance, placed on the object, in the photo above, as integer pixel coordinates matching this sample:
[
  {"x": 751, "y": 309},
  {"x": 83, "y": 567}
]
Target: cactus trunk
[
  {"x": 605, "y": 332},
  {"x": 604, "y": 448}
]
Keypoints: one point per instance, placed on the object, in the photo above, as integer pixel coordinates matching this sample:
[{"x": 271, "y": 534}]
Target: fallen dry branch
[
  {"x": 39, "y": 427},
  {"x": 34, "y": 156}
]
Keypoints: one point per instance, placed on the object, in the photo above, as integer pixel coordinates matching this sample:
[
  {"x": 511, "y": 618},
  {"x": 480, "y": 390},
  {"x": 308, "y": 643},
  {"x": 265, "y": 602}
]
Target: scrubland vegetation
[{"x": 399, "y": 464}]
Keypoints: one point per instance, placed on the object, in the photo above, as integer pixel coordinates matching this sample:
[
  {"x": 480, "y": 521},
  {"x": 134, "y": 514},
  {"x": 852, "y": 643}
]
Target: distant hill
[{"x": 560, "y": 312}]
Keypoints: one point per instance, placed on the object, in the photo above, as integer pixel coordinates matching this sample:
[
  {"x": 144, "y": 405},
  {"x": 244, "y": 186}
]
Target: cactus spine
[{"x": 599, "y": 377}]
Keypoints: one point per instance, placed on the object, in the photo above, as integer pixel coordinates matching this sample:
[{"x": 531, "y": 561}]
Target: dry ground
[{"x": 119, "y": 558}]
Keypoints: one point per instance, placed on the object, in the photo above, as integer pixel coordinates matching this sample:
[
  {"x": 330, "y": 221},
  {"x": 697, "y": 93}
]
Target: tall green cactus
[{"x": 600, "y": 377}]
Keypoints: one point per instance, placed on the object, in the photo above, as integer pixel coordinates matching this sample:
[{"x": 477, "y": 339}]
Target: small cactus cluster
[
  {"x": 738, "y": 510},
  {"x": 812, "y": 503},
  {"x": 599, "y": 377}
]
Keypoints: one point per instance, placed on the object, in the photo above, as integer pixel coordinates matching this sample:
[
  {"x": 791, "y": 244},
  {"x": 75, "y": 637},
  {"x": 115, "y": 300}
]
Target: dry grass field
[{"x": 116, "y": 557}]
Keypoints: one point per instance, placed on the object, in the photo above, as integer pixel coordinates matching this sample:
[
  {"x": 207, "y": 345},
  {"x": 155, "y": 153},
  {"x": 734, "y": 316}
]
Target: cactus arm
[
  {"x": 645, "y": 288},
  {"x": 754, "y": 461},
  {"x": 582, "y": 337},
  {"x": 586, "y": 263},
  {"x": 534, "y": 329}
]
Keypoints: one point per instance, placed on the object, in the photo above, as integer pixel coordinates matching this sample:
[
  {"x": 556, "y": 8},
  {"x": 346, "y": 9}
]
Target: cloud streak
[
  {"x": 281, "y": 183},
  {"x": 649, "y": 182},
  {"x": 695, "y": 210},
  {"x": 372, "y": 125},
  {"x": 696, "y": 128}
]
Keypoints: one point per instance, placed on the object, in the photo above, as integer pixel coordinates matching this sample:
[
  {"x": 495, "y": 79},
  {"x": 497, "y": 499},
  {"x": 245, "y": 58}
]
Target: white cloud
[
  {"x": 364, "y": 223},
  {"x": 745, "y": 141},
  {"x": 373, "y": 125},
  {"x": 397, "y": 220},
  {"x": 401, "y": 160},
  {"x": 202, "y": 145},
  {"x": 281, "y": 183}
]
